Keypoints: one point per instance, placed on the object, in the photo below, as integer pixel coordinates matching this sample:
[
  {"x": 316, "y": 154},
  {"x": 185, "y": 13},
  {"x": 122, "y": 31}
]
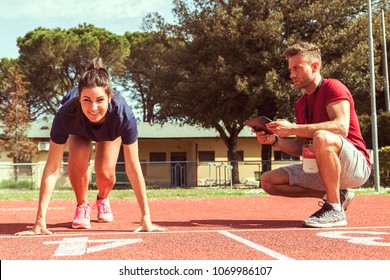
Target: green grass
[
  {"x": 26, "y": 193},
  {"x": 18, "y": 194},
  {"x": 19, "y": 185}
]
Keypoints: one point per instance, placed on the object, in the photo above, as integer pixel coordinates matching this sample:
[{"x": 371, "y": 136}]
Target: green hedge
[
  {"x": 383, "y": 125},
  {"x": 384, "y": 166}
]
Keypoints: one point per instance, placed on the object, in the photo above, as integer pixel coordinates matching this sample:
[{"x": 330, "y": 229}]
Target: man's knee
[
  {"x": 266, "y": 182},
  {"x": 325, "y": 140},
  {"x": 321, "y": 138}
]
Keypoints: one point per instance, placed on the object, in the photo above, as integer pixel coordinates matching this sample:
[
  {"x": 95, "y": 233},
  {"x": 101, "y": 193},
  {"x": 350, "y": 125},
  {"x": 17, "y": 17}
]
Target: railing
[
  {"x": 223, "y": 174},
  {"x": 163, "y": 174}
]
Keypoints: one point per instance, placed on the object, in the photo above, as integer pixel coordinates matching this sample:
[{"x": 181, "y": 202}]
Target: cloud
[{"x": 82, "y": 9}]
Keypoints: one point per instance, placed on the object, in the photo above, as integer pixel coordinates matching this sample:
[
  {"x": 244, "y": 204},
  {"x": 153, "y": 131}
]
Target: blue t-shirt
[{"x": 119, "y": 121}]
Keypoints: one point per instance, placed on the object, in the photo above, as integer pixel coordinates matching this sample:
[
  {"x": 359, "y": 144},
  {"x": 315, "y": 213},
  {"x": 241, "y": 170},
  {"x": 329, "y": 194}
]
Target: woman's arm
[
  {"x": 49, "y": 178},
  {"x": 134, "y": 172}
]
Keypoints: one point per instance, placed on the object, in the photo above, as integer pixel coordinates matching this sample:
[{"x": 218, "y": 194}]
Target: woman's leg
[
  {"x": 105, "y": 161},
  {"x": 78, "y": 165}
]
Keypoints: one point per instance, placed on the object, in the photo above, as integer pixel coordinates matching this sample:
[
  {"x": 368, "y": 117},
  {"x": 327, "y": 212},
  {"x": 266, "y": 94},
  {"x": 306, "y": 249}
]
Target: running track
[{"x": 231, "y": 228}]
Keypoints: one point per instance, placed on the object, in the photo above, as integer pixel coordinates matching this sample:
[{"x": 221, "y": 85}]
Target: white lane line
[
  {"x": 255, "y": 246},
  {"x": 28, "y": 209},
  {"x": 92, "y": 233}
]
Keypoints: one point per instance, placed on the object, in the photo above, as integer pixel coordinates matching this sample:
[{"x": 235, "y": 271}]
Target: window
[
  {"x": 281, "y": 156},
  {"x": 158, "y": 157},
  {"x": 206, "y": 156},
  {"x": 240, "y": 156}
]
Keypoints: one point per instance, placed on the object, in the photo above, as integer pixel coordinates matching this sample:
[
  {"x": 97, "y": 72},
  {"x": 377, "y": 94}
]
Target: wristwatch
[{"x": 276, "y": 140}]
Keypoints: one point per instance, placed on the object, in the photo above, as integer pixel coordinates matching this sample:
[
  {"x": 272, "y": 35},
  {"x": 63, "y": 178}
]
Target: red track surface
[{"x": 232, "y": 228}]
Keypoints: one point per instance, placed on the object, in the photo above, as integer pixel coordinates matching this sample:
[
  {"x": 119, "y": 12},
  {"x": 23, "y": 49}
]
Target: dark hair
[{"x": 95, "y": 75}]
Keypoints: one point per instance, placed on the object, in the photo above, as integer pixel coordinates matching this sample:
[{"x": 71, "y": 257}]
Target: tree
[
  {"x": 345, "y": 52},
  {"x": 53, "y": 60},
  {"x": 223, "y": 55},
  {"x": 142, "y": 68},
  {"x": 224, "y": 59},
  {"x": 15, "y": 117},
  {"x": 5, "y": 65}
]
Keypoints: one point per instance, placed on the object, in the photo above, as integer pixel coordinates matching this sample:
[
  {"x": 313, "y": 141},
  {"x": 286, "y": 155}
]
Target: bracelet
[{"x": 276, "y": 140}]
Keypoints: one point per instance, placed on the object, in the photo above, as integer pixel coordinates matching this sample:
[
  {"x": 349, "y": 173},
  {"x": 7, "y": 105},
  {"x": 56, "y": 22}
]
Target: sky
[{"x": 17, "y": 17}]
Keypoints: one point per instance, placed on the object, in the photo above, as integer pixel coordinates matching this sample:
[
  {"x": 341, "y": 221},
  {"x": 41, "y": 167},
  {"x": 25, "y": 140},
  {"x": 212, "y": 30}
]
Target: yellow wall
[{"x": 197, "y": 173}]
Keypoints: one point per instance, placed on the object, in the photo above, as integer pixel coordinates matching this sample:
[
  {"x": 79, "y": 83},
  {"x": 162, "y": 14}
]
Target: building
[{"x": 176, "y": 155}]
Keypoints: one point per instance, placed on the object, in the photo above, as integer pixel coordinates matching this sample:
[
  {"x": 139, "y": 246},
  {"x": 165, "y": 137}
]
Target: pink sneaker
[
  {"x": 104, "y": 211},
  {"x": 82, "y": 217}
]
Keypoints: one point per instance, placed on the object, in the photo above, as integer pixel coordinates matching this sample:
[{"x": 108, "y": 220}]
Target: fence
[{"x": 161, "y": 174}]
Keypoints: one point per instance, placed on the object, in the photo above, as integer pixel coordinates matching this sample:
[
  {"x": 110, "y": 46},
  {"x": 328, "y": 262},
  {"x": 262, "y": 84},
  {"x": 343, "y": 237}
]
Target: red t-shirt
[{"x": 331, "y": 90}]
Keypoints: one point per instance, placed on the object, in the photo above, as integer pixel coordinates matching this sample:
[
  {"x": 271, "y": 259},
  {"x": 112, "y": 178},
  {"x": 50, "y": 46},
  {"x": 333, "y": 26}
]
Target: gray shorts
[{"x": 354, "y": 170}]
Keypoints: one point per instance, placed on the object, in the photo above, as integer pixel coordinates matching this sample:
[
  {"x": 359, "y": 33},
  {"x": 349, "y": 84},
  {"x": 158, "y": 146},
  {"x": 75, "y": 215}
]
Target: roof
[{"x": 148, "y": 131}]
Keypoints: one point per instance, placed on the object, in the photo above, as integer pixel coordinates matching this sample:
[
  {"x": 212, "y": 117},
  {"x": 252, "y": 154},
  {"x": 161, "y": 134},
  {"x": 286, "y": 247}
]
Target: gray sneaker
[
  {"x": 326, "y": 217},
  {"x": 346, "y": 198}
]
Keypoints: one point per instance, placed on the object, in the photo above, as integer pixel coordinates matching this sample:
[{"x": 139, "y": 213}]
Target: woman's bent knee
[{"x": 105, "y": 180}]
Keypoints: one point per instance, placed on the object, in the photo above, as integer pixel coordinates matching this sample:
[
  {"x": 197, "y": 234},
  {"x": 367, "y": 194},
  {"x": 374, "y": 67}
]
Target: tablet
[{"x": 258, "y": 124}]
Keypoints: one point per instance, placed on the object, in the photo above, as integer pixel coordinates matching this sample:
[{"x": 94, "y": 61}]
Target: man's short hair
[{"x": 309, "y": 51}]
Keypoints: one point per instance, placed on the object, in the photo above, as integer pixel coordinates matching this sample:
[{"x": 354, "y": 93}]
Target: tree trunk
[
  {"x": 266, "y": 155},
  {"x": 233, "y": 158}
]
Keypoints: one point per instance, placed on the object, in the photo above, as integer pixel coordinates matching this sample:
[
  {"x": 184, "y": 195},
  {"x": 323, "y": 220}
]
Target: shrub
[
  {"x": 383, "y": 124},
  {"x": 384, "y": 166},
  {"x": 12, "y": 184}
]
